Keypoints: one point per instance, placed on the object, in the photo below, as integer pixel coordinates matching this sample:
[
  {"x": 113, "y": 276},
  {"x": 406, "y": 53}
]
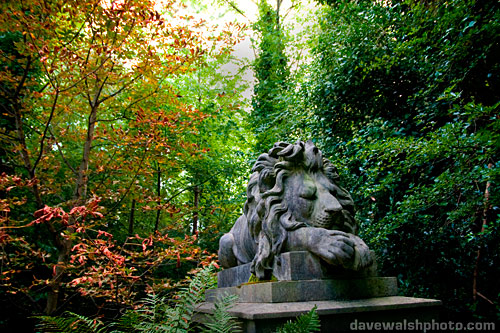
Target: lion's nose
[{"x": 332, "y": 205}]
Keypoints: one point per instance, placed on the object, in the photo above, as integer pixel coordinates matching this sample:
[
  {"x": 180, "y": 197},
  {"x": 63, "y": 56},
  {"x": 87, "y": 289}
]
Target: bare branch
[
  {"x": 293, "y": 6},
  {"x": 235, "y": 8},
  {"x": 40, "y": 153},
  {"x": 23, "y": 79},
  {"x": 8, "y": 137},
  {"x": 114, "y": 119},
  {"x": 125, "y": 86},
  {"x": 61, "y": 153},
  {"x": 485, "y": 298},
  {"x": 83, "y": 25},
  {"x": 118, "y": 203}
]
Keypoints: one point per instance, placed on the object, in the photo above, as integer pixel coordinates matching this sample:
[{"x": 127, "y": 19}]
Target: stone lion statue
[{"x": 294, "y": 203}]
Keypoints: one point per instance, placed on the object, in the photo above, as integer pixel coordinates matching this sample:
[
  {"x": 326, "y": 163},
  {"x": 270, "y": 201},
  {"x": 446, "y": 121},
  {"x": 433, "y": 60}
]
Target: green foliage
[
  {"x": 180, "y": 315},
  {"x": 70, "y": 322},
  {"x": 305, "y": 323},
  {"x": 160, "y": 314},
  {"x": 221, "y": 321},
  {"x": 153, "y": 314},
  {"x": 404, "y": 98},
  {"x": 271, "y": 72},
  {"x": 220, "y": 171},
  {"x": 118, "y": 122},
  {"x": 402, "y": 62}
]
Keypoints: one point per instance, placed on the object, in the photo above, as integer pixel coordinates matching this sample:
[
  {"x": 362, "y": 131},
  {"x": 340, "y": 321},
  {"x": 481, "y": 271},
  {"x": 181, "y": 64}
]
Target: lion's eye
[{"x": 308, "y": 193}]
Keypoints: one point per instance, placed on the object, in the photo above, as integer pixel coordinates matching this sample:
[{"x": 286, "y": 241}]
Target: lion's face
[{"x": 311, "y": 198}]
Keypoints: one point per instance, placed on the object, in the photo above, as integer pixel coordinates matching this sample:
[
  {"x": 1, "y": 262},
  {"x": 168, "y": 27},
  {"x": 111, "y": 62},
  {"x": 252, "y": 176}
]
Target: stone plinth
[
  {"x": 342, "y": 297},
  {"x": 293, "y": 266},
  {"x": 308, "y": 290},
  {"x": 334, "y": 315}
]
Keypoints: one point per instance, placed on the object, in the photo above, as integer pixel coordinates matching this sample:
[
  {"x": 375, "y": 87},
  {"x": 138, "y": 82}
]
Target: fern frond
[
  {"x": 159, "y": 314},
  {"x": 221, "y": 321},
  {"x": 152, "y": 314},
  {"x": 305, "y": 323},
  {"x": 126, "y": 322},
  {"x": 188, "y": 297},
  {"x": 69, "y": 322}
]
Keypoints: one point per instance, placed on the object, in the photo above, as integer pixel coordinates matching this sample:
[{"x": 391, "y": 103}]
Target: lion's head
[{"x": 293, "y": 186}]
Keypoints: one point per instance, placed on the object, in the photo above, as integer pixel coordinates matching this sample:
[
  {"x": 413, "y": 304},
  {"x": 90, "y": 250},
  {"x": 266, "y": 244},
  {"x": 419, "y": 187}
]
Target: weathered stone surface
[
  {"x": 308, "y": 290},
  {"x": 335, "y": 315},
  {"x": 293, "y": 309},
  {"x": 293, "y": 266},
  {"x": 298, "y": 265},
  {"x": 303, "y": 265},
  {"x": 233, "y": 276},
  {"x": 294, "y": 203}
]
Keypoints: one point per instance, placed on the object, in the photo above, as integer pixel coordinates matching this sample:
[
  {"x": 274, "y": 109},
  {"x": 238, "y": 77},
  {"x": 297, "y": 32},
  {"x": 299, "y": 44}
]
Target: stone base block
[
  {"x": 293, "y": 266},
  {"x": 335, "y": 315},
  {"x": 308, "y": 290},
  {"x": 233, "y": 276}
]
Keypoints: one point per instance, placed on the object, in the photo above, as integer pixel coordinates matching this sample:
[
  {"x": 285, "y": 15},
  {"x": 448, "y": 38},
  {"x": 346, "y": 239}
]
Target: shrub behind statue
[{"x": 294, "y": 203}]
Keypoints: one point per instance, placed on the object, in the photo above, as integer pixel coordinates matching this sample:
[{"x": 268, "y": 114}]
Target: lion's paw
[
  {"x": 335, "y": 247},
  {"x": 362, "y": 255}
]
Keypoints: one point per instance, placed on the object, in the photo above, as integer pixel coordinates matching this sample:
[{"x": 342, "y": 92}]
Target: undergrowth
[{"x": 160, "y": 314}]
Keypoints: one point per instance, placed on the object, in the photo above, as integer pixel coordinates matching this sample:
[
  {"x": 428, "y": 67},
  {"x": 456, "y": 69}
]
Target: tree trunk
[
  {"x": 278, "y": 7},
  {"x": 478, "y": 253},
  {"x": 197, "y": 195},
  {"x": 58, "y": 274},
  {"x": 21, "y": 137},
  {"x": 78, "y": 197},
  {"x": 158, "y": 193},
  {"x": 81, "y": 182},
  {"x": 131, "y": 220}
]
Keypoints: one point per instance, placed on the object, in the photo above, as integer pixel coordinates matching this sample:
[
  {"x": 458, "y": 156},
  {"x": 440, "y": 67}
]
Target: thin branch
[
  {"x": 193, "y": 186},
  {"x": 141, "y": 99},
  {"x": 125, "y": 86},
  {"x": 485, "y": 298},
  {"x": 278, "y": 7},
  {"x": 3, "y": 54},
  {"x": 96, "y": 101},
  {"x": 107, "y": 174},
  {"x": 90, "y": 48},
  {"x": 8, "y": 137},
  {"x": 23, "y": 79},
  {"x": 132, "y": 181},
  {"x": 61, "y": 153},
  {"x": 81, "y": 28},
  {"x": 235, "y": 8},
  {"x": 40, "y": 153},
  {"x": 5, "y": 90},
  {"x": 114, "y": 119},
  {"x": 290, "y": 9},
  {"x": 105, "y": 144},
  {"x": 43, "y": 87},
  {"x": 87, "y": 92}
]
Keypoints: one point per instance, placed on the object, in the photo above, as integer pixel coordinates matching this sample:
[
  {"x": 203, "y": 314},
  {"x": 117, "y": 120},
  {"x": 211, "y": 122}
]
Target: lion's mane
[{"x": 267, "y": 214}]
